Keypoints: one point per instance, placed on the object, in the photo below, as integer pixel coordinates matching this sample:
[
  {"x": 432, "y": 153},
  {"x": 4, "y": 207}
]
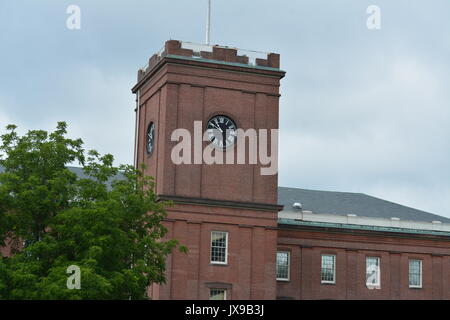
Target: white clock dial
[{"x": 150, "y": 138}]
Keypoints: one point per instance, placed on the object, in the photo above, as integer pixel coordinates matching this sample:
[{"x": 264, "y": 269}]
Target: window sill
[
  {"x": 328, "y": 283},
  {"x": 283, "y": 280},
  {"x": 415, "y": 288},
  {"x": 219, "y": 264},
  {"x": 373, "y": 286}
]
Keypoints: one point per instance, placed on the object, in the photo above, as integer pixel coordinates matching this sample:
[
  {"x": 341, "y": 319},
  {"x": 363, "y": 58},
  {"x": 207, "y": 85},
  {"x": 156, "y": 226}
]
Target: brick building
[
  {"x": 249, "y": 238},
  {"x": 331, "y": 255}
]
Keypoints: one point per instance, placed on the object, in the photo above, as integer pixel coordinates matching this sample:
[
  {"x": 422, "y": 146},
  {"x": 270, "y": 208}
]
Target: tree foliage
[{"x": 107, "y": 222}]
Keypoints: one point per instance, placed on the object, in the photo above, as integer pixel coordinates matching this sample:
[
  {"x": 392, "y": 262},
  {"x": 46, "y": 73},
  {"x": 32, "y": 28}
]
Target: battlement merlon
[{"x": 211, "y": 53}]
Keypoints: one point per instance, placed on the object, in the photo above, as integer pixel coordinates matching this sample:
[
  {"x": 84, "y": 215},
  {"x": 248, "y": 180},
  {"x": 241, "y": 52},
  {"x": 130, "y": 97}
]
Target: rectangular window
[
  {"x": 373, "y": 272},
  {"x": 219, "y": 247},
  {"x": 328, "y": 271},
  {"x": 415, "y": 273},
  {"x": 217, "y": 294},
  {"x": 283, "y": 266}
]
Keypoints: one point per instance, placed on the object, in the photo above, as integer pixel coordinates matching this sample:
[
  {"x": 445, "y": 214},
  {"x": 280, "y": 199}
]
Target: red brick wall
[
  {"x": 250, "y": 272},
  {"x": 179, "y": 94},
  {"x": 351, "y": 250}
]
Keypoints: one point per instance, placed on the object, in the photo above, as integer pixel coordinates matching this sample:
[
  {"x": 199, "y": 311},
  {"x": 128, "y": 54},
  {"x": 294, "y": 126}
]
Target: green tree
[{"x": 108, "y": 222}]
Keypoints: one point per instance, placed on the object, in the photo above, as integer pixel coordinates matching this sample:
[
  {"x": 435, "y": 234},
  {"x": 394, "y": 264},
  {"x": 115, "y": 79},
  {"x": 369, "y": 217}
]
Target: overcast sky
[{"x": 361, "y": 110}]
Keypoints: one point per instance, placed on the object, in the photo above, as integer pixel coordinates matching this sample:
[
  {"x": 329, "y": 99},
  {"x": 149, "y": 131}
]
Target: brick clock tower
[{"x": 226, "y": 214}]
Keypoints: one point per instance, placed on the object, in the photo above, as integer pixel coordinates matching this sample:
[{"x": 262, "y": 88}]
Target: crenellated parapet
[{"x": 175, "y": 48}]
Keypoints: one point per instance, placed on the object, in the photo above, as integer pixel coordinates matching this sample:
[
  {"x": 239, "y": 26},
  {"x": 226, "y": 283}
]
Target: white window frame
[
  {"x": 226, "y": 248},
  {"x": 378, "y": 284},
  {"x": 288, "y": 266},
  {"x": 218, "y": 289},
  {"x": 334, "y": 268},
  {"x": 421, "y": 274}
]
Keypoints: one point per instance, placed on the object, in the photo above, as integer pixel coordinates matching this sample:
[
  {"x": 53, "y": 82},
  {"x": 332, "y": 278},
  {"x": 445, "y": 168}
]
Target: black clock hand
[
  {"x": 224, "y": 136},
  {"x": 217, "y": 127}
]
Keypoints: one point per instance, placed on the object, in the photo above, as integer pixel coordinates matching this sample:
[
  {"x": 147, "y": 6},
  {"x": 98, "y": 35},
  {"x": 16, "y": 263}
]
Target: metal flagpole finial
[{"x": 208, "y": 24}]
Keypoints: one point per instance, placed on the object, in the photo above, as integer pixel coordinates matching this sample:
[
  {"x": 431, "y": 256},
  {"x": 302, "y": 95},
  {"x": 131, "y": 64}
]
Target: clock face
[
  {"x": 221, "y": 131},
  {"x": 150, "y": 138}
]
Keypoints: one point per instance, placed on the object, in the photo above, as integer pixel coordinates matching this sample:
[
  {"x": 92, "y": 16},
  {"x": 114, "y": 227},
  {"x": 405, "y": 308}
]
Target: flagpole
[{"x": 208, "y": 24}]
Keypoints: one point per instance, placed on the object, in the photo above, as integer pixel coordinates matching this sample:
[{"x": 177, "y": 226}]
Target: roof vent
[{"x": 297, "y": 206}]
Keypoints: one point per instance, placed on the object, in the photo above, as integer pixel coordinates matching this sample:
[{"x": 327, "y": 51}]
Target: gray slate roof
[{"x": 343, "y": 203}]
